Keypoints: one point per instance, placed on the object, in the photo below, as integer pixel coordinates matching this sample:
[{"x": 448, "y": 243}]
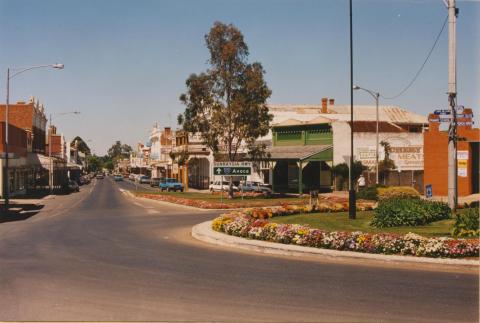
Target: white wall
[{"x": 407, "y": 148}]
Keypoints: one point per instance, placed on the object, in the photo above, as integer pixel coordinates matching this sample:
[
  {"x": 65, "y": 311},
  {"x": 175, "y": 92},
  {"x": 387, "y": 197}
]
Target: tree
[
  {"x": 342, "y": 172},
  {"x": 227, "y": 103},
  {"x": 119, "y": 151},
  {"x": 80, "y": 145},
  {"x": 94, "y": 163},
  {"x": 385, "y": 165}
]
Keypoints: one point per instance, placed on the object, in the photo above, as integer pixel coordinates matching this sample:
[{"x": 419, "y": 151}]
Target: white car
[
  {"x": 219, "y": 186},
  {"x": 255, "y": 187}
]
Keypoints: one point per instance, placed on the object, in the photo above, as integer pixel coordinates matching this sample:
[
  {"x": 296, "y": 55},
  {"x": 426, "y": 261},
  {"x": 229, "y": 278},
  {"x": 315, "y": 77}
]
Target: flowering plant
[{"x": 249, "y": 224}]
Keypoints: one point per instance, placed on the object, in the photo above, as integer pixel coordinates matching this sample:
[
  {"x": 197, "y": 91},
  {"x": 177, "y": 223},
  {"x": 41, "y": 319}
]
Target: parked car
[
  {"x": 117, "y": 178},
  {"x": 217, "y": 186},
  {"x": 255, "y": 187},
  {"x": 143, "y": 179},
  {"x": 99, "y": 176},
  {"x": 170, "y": 184},
  {"x": 73, "y": 186},
  {"x": 131, "y": 177},
  {"x": 154, "y": 181}
]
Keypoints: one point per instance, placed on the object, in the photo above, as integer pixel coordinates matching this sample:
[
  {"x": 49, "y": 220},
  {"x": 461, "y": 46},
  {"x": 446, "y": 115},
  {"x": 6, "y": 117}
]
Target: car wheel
[{"x": 181, "y": 190}]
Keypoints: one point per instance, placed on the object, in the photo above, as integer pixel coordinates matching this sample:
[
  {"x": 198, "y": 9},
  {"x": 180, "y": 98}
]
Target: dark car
[
  {"x": 73, "y": 186},
  {"x": 154, "y": 181}
]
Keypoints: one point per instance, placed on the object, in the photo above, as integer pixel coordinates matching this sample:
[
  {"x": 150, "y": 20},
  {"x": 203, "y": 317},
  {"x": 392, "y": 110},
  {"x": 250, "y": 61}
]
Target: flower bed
[
  {"x": 253, "y": 224},
  {"x": 325, "y": 204}
]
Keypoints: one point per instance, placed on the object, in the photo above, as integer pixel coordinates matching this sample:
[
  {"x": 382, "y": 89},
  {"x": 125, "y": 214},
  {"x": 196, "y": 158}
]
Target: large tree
[
  {"x": 82, "y": 146},
  {"x": 227, "y": 103},
  {"x": 119, "y": 151}
]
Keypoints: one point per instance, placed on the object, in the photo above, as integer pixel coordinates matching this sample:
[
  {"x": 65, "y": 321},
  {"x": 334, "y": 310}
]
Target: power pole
[{"x": 452, "y": 98}]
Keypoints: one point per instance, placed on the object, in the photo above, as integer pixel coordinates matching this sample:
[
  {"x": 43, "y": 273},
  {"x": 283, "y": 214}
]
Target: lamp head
[
  {"x": 356, "y": 87},
  {"x": 58, "y": 66}
]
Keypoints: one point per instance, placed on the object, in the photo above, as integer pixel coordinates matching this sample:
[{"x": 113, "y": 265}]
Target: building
[
  {"x": 28, "y": 165},
  {"x": 308, "y": 140},
  {"x": 160, "y": 148},
  {"x": 436, "y": 156}
]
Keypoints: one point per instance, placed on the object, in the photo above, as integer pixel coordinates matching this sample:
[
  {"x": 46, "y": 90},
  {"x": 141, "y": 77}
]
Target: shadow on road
[{"x": 19, "y": 212}]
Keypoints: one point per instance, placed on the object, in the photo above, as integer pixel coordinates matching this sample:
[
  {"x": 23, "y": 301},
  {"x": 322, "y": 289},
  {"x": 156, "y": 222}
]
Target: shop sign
[{"x": 462, "y": 167}]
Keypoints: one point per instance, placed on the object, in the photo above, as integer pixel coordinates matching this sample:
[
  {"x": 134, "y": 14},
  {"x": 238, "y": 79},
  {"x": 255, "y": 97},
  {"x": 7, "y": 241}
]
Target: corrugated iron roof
[
  {"x": 387, "y": 113},
  {"x": 296, "y": 152}
]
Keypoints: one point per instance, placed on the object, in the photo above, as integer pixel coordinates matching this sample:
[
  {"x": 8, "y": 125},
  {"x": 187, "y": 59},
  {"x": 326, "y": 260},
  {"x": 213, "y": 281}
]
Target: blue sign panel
[{"x": 428, "y": 191}]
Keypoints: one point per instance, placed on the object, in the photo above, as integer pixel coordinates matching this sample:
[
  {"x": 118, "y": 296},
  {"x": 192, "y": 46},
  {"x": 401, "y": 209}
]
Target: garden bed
[
  {"x": 255, "y": 224},
  {"x": 214, "y": 201}
]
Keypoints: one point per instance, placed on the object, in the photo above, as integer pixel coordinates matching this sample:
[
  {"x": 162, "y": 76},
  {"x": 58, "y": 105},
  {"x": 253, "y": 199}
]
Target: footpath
[{"x": 205, "y": 233}]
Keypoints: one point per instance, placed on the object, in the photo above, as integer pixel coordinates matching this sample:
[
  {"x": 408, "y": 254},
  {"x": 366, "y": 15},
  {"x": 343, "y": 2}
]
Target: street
[{"x": 110, "y": 257}]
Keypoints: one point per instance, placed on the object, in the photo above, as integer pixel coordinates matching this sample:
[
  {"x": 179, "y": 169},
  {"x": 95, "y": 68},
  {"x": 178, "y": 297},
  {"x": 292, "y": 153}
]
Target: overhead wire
[{"x": 421, "y": 67}]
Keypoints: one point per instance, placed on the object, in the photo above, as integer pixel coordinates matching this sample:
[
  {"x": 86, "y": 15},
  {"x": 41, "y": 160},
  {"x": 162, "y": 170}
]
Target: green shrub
[
  {"x": 385, "y": 193},
  {"x": 369, "y": 193},
  {"x": 466, "y": 224},
  {"x": 394, "y": 212}
]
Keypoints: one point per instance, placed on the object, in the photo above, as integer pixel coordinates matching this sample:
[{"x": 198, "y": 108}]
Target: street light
[
  {"x": 18, "y": 71},
  {"x": 50, "y": 172},
  {"x": 376, "y": 96}
]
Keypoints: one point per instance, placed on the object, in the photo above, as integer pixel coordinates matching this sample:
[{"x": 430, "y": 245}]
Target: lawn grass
[
  {"x": 340, "y": 222},
  {"x": 215, "y": 198}
]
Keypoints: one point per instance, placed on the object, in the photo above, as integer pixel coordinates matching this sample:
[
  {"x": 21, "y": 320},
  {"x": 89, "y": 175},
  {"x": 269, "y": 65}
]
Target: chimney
[
  {"x": 324, "y": 105},
  {"x": 331, "y": 102},
  {"x": 433, "y": 122}
]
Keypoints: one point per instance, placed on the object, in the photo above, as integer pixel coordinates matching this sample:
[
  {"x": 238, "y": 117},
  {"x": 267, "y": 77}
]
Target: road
[{"x": 109, "y": 257}]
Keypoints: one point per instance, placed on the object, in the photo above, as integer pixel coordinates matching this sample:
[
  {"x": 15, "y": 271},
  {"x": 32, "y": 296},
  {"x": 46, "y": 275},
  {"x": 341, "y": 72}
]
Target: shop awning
[{"x": 301, "y": 153}]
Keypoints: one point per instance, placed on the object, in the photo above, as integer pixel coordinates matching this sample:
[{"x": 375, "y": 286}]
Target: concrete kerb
[{"x": 205, "y": 233}]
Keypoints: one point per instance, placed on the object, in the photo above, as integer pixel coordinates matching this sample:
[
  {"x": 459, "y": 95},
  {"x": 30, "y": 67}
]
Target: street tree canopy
[
  {"x": 81, "y": 145},
  {"x": 227, "y": 103},
  {"x": 119, "y": 151}
]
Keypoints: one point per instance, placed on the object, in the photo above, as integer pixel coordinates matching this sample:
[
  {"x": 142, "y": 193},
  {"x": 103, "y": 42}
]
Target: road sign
[
  {"x": 232, "y": 171},
  {"x": 428, "y": 191},
  {"x": 441, "y": 111},
  {"x": 461, "y": 123}
]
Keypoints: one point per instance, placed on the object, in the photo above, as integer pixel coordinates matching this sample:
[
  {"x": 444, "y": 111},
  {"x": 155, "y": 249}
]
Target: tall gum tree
[{"x": 227, "y": 104}]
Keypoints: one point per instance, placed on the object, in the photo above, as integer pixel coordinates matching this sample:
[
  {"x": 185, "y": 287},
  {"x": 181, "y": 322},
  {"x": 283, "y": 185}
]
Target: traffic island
[
  {"x": 254, "y": 224},
  {"x": 205, "y": 233}
]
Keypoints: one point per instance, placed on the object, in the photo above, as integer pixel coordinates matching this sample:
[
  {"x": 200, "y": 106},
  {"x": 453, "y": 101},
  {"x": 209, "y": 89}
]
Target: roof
[
  {"x": 371, "y": 126},
  {"x": 307, "y": 112},
  {"x": 296, "y": 152}
]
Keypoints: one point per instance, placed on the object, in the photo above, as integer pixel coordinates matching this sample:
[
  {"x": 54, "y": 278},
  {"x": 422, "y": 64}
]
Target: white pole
[
  {"x": 377, "y": 95},
  {"x": 50, "y": 173},
  {"x": 6, "y": 174},
  {"x": 452, "y": 93}
]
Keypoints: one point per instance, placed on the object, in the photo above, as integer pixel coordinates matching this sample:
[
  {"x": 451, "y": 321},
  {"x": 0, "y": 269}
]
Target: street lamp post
[
  {"x": 376, "y": 96},
  {"x": 50, "y": 172},
  {"x": 6, "y": 177}
]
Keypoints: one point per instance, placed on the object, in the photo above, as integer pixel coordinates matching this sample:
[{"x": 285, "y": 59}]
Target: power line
[{"x": 421, "y": 67}]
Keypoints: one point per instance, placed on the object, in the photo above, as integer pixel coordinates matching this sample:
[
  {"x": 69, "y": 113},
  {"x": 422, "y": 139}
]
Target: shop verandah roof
[{"x": 301, "y": 153}]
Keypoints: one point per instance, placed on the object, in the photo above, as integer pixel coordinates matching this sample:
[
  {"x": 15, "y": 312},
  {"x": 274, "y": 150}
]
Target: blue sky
[{"x": 126, "y": 62}]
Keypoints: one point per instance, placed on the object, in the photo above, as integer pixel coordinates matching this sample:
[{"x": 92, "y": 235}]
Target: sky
[{"x": 126, "y": 61}]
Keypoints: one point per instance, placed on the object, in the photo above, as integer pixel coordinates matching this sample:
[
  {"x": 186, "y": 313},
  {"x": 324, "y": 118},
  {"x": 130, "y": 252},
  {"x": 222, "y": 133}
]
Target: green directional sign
[{"x": 232, "y": 170}]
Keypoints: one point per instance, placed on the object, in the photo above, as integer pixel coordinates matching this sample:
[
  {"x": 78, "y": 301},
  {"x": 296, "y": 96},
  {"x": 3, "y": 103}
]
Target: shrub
[
  {"x": 369, "y": 193},
  {"x": 466, "y": 224},
  {"x": 395, "y": 212},
  {"x": 397, "y": 192}
]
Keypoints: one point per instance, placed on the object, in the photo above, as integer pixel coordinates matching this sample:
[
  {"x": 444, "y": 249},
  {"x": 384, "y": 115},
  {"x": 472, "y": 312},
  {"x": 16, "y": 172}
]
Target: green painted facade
[
  {"x": 308, "y": 172},
  {"x": 320, "y": 134}
]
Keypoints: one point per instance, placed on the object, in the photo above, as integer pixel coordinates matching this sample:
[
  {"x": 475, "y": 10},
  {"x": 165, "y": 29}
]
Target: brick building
[
  {"x": 28, "y": 152},
  {"x": 436, "y": 157}
]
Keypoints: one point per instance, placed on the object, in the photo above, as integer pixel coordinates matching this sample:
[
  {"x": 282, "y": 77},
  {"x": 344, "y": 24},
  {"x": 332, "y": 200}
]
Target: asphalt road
[{"x": 105, "y": 257}]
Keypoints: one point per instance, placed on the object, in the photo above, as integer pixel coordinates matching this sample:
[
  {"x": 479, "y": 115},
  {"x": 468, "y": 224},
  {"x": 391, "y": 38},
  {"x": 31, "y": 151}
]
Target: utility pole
[{"x": 452, "y": 98}]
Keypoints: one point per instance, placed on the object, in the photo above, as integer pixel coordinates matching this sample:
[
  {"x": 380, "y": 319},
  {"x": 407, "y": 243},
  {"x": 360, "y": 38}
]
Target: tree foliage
[
  {"x": 119, "y": 151},
  {"x": 342, "y": 172},
  {"x": 227, "y": 103},
  {"x": 387, "y": 164},
  {"x": 81, "y": 145}
]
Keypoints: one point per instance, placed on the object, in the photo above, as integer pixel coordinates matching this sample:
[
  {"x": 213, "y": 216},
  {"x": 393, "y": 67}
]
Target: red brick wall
[
  {"x": 17, "y": 140},
  {"x": 22, "y": 116},
  {"x": 436, "y": 159}
]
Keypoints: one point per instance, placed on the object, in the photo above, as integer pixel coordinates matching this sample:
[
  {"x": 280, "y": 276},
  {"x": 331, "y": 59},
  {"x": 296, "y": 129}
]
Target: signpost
[{"x": 231, "y": 169}]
